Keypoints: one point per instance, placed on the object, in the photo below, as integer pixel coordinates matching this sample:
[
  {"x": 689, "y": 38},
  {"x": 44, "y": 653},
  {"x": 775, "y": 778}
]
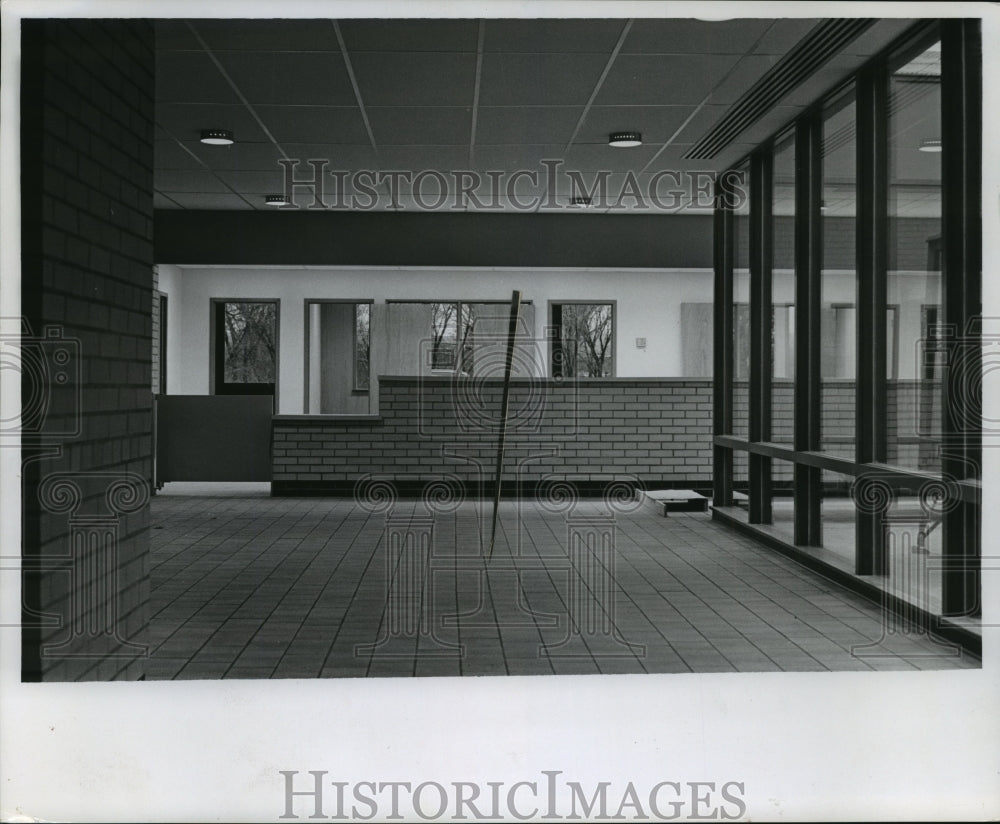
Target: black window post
[
  {"x": 759, "y": 424},
  {"x": 808, "y": 260},
  {"x": 961, "y": 144},
  {"x": 722, "y": 352},
  {"x": 872, "y": 240}
]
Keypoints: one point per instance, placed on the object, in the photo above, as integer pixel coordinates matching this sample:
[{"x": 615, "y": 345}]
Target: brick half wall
[
  {"x": 653, "y": 432},
  {"x": 656, "y": 432}
]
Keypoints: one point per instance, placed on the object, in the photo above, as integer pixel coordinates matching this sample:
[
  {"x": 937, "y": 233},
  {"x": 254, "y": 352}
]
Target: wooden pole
[{"x": 515, "y": 307}]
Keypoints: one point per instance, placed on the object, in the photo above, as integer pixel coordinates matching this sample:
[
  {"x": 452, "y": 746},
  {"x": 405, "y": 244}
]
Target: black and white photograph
[{"x": 498, "y": 411}]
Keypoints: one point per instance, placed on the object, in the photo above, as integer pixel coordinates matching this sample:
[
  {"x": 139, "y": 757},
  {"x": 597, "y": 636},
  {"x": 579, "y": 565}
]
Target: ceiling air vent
[{"x": 823, "y": 42}]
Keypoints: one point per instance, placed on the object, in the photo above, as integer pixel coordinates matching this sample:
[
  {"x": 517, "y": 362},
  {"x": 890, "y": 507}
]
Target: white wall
[
  {"x": 171, "y": 281},
  {"x": 648, "y": 305}
]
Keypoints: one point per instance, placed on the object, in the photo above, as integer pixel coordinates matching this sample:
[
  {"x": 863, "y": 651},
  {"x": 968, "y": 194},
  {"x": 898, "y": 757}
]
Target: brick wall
[
  {"x": 658, "y": 431},
  {"x": 87, "y": 181}
]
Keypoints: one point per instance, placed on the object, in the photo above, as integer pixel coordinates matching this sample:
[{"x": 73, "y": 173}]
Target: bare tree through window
[
  {"x": 444, "y": 328},
  {"x": 362, "y": 346},
  {"x": 584, "y": 345},
  {"x": 249, "y": 342}
]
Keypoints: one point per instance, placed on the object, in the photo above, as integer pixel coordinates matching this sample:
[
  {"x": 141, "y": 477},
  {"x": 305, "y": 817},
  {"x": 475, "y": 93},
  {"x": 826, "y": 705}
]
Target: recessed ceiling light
[
  {"x": 581, "y": 202},
  {"x": 217, "y": 137},
  {"x": 624, "y": 140},
  {"x": 277, "y": 200},
  {"x": 930, "y": 146}
]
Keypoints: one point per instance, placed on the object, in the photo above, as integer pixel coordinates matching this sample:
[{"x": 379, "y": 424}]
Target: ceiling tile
[
  {"x": 303, "y": 124},
  {"x": 526, "y": 124},
  {"x": 526, "y": 79},
  {"x": 783, "y": 35},
  {"x": 421, "y": 125},
  {"x": 162, "y": 201},
  {"x": 552, "y": 35},
  {"x": 410, "y": 35},
  {"x": 289, "y": 78},
  {"x": 244, "y": 182},
  {"x": 241, "y": 155},
  {"x": 268, "y": 35},
  {"x": 509, "y": 159},
  {"x": 419, "y": 158},
  {"x": 657, "y": 79},
  {"x": 185, "y": 121},
  {"x": 190, "y": 77},
  {"x": 210, "y": 201},
  {"x": 747, "y": 72},
  {"x": 174, "y": 34},
  {"x": 339, "y": 157},
  {"x": 673, "y": 36},
  {"x": 188, "y": 181},
  {"x": 601, "y": 157},
  {"x": 415, "y": 78},
  {"x": 703, "y": 120},
  {"x": 656, "y": 124},
  {"x": 168, "y": 154},
  {"x": 672, "y": 159},
  {"x": 429, "y": 201}
]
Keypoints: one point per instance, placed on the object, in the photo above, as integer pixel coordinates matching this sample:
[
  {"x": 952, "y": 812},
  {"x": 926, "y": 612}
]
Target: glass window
[
  {"x": 362, "y": 346},
  {"x": 783, "y": 294},
  {"x": 913, "y": 421},
  {"x": 913, "y": 542},
  {"x": 782, "y": 503},
  {"x": 459, "y": 336},
  {"x": 837, "y": 516},
  {"x": 444, "y": 331},
  {"x": 583, "y": 340},
  {"x": 245, "y": 347},
  {"x": 838, "y": 279}
]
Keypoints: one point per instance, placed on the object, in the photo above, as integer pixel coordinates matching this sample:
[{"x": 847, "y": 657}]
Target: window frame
[
  {"x": 307, "y": 357},
  {"x": 460, "y": 304},
  {"x": 217, "y": 383},
  {"x": 553, "y": 333}
]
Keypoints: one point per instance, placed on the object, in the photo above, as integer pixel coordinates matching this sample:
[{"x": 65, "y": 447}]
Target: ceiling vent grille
[{"x": 823, "y": 42}]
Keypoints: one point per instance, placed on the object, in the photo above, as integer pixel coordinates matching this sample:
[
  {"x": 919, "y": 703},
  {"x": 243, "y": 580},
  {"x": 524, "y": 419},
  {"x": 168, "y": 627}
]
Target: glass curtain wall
[{"x": 858, "y": 238}]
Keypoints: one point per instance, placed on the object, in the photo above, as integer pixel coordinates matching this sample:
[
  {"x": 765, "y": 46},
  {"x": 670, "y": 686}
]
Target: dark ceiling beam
[{"x": 454, "y": 239}]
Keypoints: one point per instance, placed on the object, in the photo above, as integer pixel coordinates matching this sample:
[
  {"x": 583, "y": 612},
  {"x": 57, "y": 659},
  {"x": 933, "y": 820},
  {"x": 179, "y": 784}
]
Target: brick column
[{"x": 87, "y": 182}]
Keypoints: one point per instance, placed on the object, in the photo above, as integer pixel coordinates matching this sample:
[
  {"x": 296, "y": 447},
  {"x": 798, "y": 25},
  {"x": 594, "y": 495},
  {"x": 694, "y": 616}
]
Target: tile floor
[{"x": 248, "y": 586}]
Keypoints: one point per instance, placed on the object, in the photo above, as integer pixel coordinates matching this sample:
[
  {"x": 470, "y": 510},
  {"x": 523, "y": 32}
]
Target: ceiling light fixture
[
  {"x": 277, "y": 200},
  {"x": 930, "y": 146},
  {"x": 581, "y": 202},
  {"x": 624, "y": 140},
  {"x": 217, "y": 137}
]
